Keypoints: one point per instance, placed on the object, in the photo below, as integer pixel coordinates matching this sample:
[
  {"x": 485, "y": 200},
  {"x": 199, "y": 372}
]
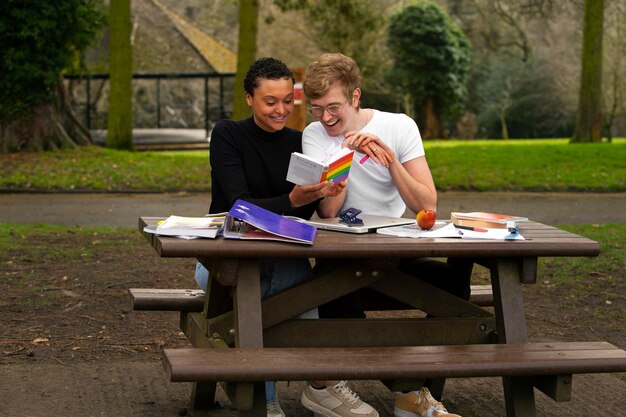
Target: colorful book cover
[
  {"x": 338, "y": 169},
  {"x": 248, "y": 221}
]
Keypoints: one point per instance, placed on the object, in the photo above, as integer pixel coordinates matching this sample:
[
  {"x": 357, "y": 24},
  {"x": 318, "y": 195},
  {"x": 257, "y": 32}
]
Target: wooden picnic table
[{"x": 235, "y": 316}]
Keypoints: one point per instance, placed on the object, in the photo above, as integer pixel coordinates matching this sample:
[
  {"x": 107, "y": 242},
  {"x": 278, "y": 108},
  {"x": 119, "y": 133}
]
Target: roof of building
[
  {"x": 165, "y": 41},
  {"x": 216, "y": 54}
]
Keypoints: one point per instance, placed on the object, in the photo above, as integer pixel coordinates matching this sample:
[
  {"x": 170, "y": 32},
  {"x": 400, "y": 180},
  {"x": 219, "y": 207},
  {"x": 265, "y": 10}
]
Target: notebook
[{"x": 370, "y": 223}]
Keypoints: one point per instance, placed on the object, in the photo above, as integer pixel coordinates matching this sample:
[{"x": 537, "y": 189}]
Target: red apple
[{"x": 426, "y": 219}]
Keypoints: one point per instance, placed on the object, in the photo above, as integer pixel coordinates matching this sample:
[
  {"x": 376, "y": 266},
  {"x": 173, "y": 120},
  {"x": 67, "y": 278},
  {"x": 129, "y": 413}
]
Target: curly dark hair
[{"x": 265, "y": 69}]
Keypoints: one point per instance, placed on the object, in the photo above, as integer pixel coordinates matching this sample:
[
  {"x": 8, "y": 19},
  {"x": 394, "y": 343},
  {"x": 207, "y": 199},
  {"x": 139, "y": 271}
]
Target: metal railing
[{"x": 224, "y": 95}]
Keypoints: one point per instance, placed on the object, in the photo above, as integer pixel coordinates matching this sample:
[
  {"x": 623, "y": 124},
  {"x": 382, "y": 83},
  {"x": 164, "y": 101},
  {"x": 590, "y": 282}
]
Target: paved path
[
  {"x": 162, "y": 139},
  {"x": 125, "y": 209}
]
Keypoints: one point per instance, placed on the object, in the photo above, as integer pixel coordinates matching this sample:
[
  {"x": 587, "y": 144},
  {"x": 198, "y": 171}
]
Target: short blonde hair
[{"x": 328, "y": 69}]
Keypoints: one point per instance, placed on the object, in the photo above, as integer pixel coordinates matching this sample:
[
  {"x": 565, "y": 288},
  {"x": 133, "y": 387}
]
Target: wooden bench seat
[
  {"x": 481, "y": 295},
  {"x": 188, "y": 300},
  {"x": 157, "y": 299},
  {"x": 529, "y": 359}
]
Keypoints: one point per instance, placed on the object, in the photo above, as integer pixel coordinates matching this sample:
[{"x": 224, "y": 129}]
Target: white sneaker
[
  {"x": 336, "y": 401},
  {"x": 274, "y": 410}
]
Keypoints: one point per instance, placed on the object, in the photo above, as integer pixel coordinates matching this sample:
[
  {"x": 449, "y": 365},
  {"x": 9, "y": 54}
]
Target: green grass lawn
[
  {"x": 529, "y": 165},
  {"x": 515, "y": 165}
]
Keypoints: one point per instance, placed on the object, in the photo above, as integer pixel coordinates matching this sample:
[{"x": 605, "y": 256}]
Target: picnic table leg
[
  {"x": 465, "y": 267},
  {"x": 249, "y": 333},
  {"x": 258, "y": 399},
  {"x": 203, "y": 396},
  {"x": 506, "y": 279},
  {"x": 203, "y": 393}
]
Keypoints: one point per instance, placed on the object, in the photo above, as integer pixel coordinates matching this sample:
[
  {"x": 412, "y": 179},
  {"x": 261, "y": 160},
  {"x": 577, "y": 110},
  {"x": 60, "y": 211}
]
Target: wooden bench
[
  {"x": 548, "y": 365},
  {"x": 156, "y": 299},
  {"x": 187, "y": 300},
  {"x": 397, "y": 362}
]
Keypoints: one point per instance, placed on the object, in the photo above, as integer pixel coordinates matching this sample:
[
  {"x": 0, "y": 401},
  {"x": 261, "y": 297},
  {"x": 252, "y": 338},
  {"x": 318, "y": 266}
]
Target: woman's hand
[
  {"x": 369, "y": 144},
  {"x": 332, "y": 189},
  {"x": 302, "y": 195}
]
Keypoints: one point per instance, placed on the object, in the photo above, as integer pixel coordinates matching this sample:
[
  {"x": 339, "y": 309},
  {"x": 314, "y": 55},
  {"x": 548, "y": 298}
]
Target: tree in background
[
  {"x": 431, "y": 58},
  {"x": 246, "y": 53},
  {"x": 503, "y": 25},
  {"x": 39, "y": 39},
  {"x": 614, "y": 77},
  {"x": 351, "y": 27},
  {"x": 520, "y": 99},
  {"x": 520, "y": 80},
  {"x": 589, "y": 116},
  {"x": 120, "y": 117},
  {"x": 331, "y": 24}
]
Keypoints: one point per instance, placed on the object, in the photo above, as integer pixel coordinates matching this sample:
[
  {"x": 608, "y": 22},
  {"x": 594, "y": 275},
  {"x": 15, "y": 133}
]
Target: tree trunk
[
  {"x": 120, "y": 117},
  {"x": 589, "y": 117},
  {"x": 409, "y": 105},
  {"x": 433, "y": 128},
  {"x": 246, "y": 53},
  {"x": 49, "y": 126},
  {"x": 504, "y": 129}
]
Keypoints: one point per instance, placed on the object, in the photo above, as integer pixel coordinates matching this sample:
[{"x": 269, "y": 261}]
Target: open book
[
  {"x": 190, "y": 227},
  {"x": 250, "y": 222},
  {"x": 482, "y": 219},
  {"x": 305, "y": 170},
  {"x": 447, "y": 229}
]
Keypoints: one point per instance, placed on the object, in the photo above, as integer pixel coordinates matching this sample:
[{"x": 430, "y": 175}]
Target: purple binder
[{"x": 248, "y": 221}]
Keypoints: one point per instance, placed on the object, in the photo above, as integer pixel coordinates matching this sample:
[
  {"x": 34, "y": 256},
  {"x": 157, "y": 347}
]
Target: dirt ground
[{"x": 71, "y": 345}]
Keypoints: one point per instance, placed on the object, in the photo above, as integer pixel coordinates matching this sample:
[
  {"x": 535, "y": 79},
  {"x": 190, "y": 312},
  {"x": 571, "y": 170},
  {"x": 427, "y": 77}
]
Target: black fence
[{"x": 165, "y": 100}]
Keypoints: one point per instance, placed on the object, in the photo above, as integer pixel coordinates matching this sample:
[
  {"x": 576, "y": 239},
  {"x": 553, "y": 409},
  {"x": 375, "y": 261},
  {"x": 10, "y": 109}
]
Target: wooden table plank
[{"x": 334, "y": 245}]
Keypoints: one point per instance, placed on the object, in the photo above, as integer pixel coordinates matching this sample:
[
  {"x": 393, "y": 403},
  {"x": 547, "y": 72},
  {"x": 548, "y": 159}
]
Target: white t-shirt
[{"x": 370, "y": 186}]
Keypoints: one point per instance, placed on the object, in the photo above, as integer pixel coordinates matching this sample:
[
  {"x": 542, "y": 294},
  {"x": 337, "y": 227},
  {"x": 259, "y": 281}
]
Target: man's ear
[
  {"x": 249, "y": 99},
  {"x": 356, "y": 97}
]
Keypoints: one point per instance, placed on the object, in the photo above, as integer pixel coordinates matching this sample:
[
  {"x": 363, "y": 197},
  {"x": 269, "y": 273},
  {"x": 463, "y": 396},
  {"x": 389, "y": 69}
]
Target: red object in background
[{"x": 298, "y": 93}]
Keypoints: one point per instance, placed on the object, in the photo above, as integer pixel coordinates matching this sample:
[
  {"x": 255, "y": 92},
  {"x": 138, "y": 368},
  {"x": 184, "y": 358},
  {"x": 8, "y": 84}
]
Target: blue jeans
[{"x": 276, "y": 275}]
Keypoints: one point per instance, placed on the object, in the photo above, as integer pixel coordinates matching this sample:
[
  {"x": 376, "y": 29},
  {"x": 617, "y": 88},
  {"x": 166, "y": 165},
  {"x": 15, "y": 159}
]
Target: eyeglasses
[{"x": 333, "y": 109}]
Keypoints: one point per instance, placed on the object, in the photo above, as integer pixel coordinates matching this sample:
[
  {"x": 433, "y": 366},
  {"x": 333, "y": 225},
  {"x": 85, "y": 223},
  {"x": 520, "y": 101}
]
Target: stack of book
[
  {"x": 486, "y": 220},
  {"x": 190, "y": 227}
]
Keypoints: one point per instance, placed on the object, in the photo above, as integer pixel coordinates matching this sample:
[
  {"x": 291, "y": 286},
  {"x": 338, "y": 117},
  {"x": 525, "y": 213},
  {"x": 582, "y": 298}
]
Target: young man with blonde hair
[{"x": 393, "y": 177}]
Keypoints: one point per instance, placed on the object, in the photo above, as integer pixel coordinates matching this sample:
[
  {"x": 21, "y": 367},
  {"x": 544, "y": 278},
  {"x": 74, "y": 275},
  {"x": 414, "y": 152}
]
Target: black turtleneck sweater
[{"x": 251, "y": 164}]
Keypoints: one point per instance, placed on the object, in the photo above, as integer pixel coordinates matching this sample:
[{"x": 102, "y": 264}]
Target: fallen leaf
[{"x": 40, "y": 340}]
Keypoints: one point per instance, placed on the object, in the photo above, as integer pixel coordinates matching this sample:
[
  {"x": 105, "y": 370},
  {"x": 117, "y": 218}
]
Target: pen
[
  {"x": 474, "y": 229},
  {"x": 365, "y": 158}
]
